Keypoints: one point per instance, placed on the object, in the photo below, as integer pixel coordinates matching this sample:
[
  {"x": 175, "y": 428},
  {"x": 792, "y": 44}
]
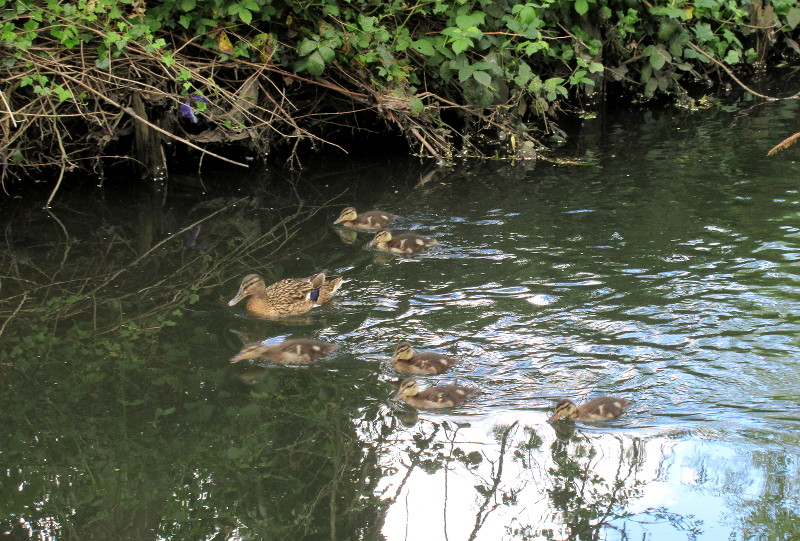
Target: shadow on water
[{"x": 654, "y": 271}]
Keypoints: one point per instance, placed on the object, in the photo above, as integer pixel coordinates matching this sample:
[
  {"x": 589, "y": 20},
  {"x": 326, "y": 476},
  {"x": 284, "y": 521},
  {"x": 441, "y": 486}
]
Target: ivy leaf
[
  {"x": 306, "y": 47},
  {"x": 707, "y": 4},
  {"x": 482, "y": 77},
  {"x": 658, "y": 56},
  {"x": 581, "y": 6},
  {"x": 657, "y": 61},
  {"x": 793, "y": 17},
  {"x": 188, "y": 5},
  {"x": 315, "y": 64},
  {"x": 326, "y": 53},
  {"x": 417, "y": 107},
  {"x": 577, "y": 77},
  {"x": 461, "y": 45},
  {"x": 703, "y": 32},
  {"x": 733, "y": 57},
  {"x": 246, "y": 16},
  {"x": 469, "y": 21},
  {"x": 402, "y": 42}
]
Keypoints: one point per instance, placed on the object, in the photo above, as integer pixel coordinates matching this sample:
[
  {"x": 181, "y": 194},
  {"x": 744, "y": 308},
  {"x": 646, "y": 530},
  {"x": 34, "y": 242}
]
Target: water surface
[{"x": 663, "y": 269}]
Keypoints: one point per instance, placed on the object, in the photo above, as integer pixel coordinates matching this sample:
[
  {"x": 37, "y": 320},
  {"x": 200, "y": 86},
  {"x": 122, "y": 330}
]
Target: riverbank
[{"x": 253, "y": 82}]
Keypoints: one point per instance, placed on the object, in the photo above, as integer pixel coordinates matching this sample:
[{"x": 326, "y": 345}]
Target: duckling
[
  {"x": 293, "y": 351},
  {"x": 406, "y": 243},
  {"x": 428, "y": 364},
  {"x": 372, "y": 220},
  {"x": 604, "y": 408},
  {"x": 441, "y": 396},
  {"x": 287, "y": 297}
]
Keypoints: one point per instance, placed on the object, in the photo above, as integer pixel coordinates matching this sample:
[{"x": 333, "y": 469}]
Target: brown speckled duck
[
  {"x": 287, "y": 297},
  {"x": 441, "y": 396},
  {"x": 406, "y": 243},
  {"x": 604, "y": 408},
  {"x": 371, "y": 220},
  {"x": 293, "y": 351},
  {"x": 427, "y": 364}
]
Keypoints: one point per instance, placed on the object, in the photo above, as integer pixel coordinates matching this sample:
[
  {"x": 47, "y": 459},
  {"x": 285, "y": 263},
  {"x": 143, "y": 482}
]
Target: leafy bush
[{"x": 268, "y": 73}]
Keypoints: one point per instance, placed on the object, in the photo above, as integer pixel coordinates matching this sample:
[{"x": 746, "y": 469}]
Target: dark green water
[{"x": 663, "y": 270}]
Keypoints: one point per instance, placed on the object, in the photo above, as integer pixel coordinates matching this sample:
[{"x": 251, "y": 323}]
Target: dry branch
[{"x": 783, "y": 145}]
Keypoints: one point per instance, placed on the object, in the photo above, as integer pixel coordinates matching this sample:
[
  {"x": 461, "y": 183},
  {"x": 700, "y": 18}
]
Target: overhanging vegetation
[{"x": 470, "y": 77}]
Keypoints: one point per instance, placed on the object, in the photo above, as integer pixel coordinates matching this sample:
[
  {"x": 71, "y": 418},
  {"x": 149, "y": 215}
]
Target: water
[{"x": 663, "y": 269}]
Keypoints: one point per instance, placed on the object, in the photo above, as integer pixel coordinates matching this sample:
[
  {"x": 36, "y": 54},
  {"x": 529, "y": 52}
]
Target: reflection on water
[{"x": 664, "y": 270}]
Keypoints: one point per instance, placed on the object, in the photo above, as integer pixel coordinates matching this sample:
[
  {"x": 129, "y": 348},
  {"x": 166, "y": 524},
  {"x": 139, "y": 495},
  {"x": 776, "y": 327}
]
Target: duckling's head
[
  {"x": 249, "y": 351},
  {"x": 409, "y": 387},
  {"x": 404, "y": 351},
  {"x": 348, "y": 214},
  {"x": 566, "y": 409},
  {"x": 384, "y": 235},
  {"x": 252, "y": 284}
]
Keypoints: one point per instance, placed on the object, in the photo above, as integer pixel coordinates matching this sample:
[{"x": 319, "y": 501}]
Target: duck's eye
[{"x": 314, "y": 295}]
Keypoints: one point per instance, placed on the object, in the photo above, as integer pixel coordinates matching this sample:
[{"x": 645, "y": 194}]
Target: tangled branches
[{"x": 70, "y": 108}]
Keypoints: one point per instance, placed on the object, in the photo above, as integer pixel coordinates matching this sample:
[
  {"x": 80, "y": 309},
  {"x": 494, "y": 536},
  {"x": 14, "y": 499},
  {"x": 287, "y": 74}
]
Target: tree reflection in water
[{"x": 459, "y": 480}]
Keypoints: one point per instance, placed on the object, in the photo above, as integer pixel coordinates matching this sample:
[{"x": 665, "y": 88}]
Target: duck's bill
[
  {"x": 554, "y": 418},
  {"x": 399, "y": 395},
  {"x": 236, "y": 358},
  {"x": 239, "y": 296}
]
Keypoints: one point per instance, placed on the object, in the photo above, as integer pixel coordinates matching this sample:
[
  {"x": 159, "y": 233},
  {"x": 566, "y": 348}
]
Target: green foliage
[{"x": 469, "y": 54}]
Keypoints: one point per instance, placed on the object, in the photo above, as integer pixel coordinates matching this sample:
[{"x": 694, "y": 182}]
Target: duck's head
[
  {"x": 252, "y": 284},
  {"x": 384, "y": 235},
  {"x": 249, "y": 351},
  {"x": 348, "y": 214},
  {"x": 409, "y": 387},
  {"x": 403, "y": 352},
  {"x": 566, "y": 409}
]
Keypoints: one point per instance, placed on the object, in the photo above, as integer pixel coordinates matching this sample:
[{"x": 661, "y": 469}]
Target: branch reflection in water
[{"x": 454, "y": 479}]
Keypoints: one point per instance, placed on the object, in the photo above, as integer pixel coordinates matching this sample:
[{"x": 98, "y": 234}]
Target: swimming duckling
[
  {"x": 287, "y": 297},
  {"x": 604, "y": 408},
  {"x": 371, "y": 220},
  {"x": 406, "y": 243},
  {"x": 428, "y": 364},
  {"x": 441, "y": 396},
  {"x": 293, "y": 351}
]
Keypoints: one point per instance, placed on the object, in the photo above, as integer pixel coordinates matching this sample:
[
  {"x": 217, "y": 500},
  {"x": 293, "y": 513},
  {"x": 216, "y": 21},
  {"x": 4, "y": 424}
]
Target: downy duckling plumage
[
  {"x": 604, "y": 408},
  {"x": 441, "y": 396},
  {"x": 371, "y": 220},
  {"x": 292, "y": 351},
  {"x": 405, "y": 243},
  {"x": 406, "y": 360}
]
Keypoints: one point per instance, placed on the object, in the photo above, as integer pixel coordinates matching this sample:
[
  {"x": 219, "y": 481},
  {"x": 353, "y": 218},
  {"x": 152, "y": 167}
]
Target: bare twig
[
  {"x": 732, "y": 76},
  {"x": 9, "y": 318},
  {"x": 786, "y": 143}
]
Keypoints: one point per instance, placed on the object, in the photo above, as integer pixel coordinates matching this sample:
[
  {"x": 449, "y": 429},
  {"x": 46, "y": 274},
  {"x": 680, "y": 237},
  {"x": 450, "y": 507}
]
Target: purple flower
[
  {"x": 198, "y": 97},
  {"x": 187, "y": 112}
]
